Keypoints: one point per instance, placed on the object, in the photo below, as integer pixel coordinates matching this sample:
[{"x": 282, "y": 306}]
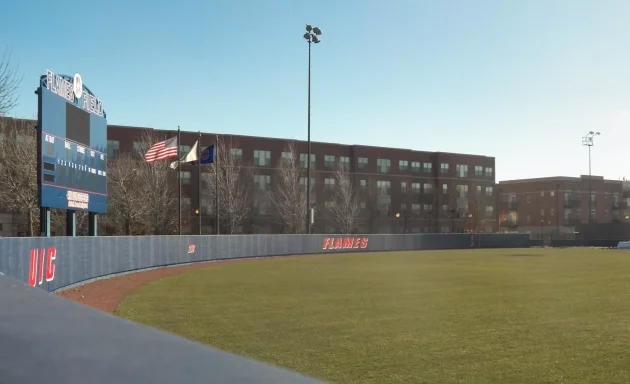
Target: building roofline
[
  {"x": 558, "y": 178},
  {"x": 303, "y": 141}
]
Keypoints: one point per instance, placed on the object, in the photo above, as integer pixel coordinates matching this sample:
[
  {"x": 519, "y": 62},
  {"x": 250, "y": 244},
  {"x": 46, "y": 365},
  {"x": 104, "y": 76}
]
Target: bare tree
[
  {"x": 235, "y": 185},
  {"x": 18, "y": 169},
  {"x": 481, "y": 219},
  {"x": 159, "y": 216},
  {"x": 9, "y": 84},
  {"x": 289, "y": 196},
  {"x": 126, "y": 202},
  {"x": 343, "y": 205}
]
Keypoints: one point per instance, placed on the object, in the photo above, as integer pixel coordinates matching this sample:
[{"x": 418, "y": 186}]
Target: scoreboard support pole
[
  {"x": 71, "y": 223},
  {"x": 92, "y": 224},
  {"x": 44, "y": 221}
]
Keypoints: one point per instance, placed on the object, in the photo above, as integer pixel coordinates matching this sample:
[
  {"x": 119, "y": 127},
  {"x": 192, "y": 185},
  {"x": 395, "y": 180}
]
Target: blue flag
[{"x": 207, "y": 155}]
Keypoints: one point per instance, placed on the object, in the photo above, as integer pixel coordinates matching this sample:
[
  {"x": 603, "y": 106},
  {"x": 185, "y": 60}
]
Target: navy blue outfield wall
[{"x": 57, "y": 262}]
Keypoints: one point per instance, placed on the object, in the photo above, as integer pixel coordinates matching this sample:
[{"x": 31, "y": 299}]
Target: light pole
[
  {"x": 588, "y": 141},
  {"x": 311, "y": 36}
]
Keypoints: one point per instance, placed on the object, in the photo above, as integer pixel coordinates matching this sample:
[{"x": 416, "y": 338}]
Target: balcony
[
  {"x": 571, "y": 222},
  {"x": 509, "y": 205},
  {"x": 571, "y": 203},
  {"x": 619, "y": 205}
]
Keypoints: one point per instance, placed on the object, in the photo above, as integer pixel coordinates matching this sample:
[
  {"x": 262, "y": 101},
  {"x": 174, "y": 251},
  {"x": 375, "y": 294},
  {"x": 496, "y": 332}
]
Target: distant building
[{"x": 556, "y": 205}]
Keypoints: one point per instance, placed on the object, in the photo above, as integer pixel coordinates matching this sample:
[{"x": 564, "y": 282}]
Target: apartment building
[
  {"x": 401, "y": 190},
  {"x": 556, "y": 205}
]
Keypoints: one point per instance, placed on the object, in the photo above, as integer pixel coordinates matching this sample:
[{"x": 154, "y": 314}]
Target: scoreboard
[{"x": 73, "y": 146}]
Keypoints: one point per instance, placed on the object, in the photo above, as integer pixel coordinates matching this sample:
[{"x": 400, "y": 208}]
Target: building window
[
  {"x": 286, "y": 156},
  {"x": 185, "y": 177},
  {"x": 462, "y": 170},
  {"x": 542, "y": 212},
  {"x": 593, "y": 199},
  {"x": 445, "y": 207},
  {"x": 362, "y": 162},
  {"x": 428, "y": 207},
  {"x": 344, "y": 161},
  {"x": 479, "y": 190},
  {"x": 113, "y": 148},
  {"x": 139, "y": 148},
  {"x": 415, "y": 188},
  {"x": 262, "y": 182},
  {"x": 445, "y": 189},
  {"x": 303, "y": 184},
  {"x": 428, "y": 188},
  {"x": 403, "y": 187},
  {"x": 461, "y": 191},
  {"x": 443, "y": 168},
  {"x": 488, "y": 171},
  {"x": 427, "y": 167},
  {"x": 478, "y": 170},
  {"x": 329, "y": 161},
  {"x": 415, "y": 209},
  {"x": 383, "y": 165},
  {"x": 384, "y": 188},
  {"x": 415, "y": 166},
  {"x": 236, "y": 154},
  {"x": 186, "y": 205},
  {"x": 489, "y": 210},
  {"x": 553, "y": 193},
  {"x": 363, "y": 184},
  {"x": 329, "y": 183},
  {"x": 403, "y": 165},
  {"x": 552, "y": 212},
  {"x": 184, "y": 149},
  {"x": 592, "y": 216},
  {"x": 403, "y": 207},
  {"x": 489, "y": 191},
  {"x": 262, "y": 158},
  {"x": 303, "y": 157}
]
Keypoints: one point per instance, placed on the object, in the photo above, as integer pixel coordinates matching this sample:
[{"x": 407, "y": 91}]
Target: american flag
[{"x": 162, "y": 150}]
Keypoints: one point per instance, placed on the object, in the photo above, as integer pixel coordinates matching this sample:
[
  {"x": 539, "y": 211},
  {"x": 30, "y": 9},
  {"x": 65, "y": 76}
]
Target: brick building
[
  {"x": 430, "y": 191},
  {"x": 401, "y": 191},
  {"x": 556, "y": 205}
]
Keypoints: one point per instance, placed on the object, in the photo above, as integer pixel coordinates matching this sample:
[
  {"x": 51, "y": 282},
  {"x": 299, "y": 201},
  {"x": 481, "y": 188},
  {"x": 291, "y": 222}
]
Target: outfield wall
[{"x": 57, "y": 262}]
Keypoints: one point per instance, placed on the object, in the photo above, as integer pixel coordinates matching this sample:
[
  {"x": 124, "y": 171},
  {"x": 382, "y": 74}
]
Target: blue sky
[{"x": 519, "y": 80}]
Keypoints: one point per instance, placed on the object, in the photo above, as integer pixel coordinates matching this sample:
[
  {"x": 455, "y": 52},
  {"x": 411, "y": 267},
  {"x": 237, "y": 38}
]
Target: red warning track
[{"x": 107, "y": 294}]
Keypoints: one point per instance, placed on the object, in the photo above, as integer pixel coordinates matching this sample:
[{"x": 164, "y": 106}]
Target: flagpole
[
  {"x": 216, "y": 181},
  {"x": 179, "y": 185},
  {"x": 199, "y": 179}
]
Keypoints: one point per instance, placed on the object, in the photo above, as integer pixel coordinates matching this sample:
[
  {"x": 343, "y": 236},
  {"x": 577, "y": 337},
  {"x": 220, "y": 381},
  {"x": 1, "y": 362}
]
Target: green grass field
[{"x": 473, "y": 316}]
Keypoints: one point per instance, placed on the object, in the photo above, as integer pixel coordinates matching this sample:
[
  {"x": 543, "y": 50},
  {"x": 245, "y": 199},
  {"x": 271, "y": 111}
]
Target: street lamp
[
  {"x": 311, "y": 36},
  {"x": 588, "y": 141}
]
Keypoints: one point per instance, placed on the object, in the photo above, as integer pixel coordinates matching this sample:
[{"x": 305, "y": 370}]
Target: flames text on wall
[{"x": 345, "y": 242}]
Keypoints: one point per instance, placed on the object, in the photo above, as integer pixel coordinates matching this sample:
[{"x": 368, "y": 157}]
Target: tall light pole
[
  {"x": 311, "y": 36},
  {"x": 588, "y": 141}
]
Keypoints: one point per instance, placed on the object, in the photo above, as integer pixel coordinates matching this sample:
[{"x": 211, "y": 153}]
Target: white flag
[{"x": 189, "y": 158}]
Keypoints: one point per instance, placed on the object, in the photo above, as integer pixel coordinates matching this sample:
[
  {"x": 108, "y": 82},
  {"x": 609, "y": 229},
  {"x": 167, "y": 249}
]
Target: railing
[
  {"x": 509, "y": 205},
  {"x": 572, "y": 222},
  {"x": 571, "y": 203}
]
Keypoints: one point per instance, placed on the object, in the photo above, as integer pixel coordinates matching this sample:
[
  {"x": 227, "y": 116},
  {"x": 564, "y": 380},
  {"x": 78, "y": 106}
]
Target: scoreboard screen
[{"x": 73, "y": 164}]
